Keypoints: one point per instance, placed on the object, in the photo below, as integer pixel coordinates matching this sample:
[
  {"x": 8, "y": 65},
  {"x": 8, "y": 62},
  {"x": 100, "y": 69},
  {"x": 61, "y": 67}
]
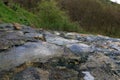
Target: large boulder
[
  {"x": 33, "y": 54},
  {"x": 28, "y": 52}
]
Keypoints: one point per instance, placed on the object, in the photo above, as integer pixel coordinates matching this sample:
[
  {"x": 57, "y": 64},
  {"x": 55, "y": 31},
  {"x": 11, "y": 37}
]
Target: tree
[{"x": 53, "y": 18}]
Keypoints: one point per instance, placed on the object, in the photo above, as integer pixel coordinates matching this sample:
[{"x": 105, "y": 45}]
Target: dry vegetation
[{"x": 99, "y": 16}]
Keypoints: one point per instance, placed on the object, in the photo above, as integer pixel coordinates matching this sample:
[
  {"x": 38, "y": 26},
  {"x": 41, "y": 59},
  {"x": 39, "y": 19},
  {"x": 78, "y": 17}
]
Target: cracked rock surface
[{"x": 34, "y": 54}]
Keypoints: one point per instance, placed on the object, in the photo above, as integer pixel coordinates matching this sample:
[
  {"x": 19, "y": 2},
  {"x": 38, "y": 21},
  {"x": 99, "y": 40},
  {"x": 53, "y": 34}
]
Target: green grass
[
  {"x": 53, "y": 19},
  {"x": 19, "y": 15}
]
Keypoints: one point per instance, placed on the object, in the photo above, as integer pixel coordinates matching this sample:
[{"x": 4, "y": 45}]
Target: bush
[
  {"x": 53, "y": 18},
  {"x": 98, "y": 16}
]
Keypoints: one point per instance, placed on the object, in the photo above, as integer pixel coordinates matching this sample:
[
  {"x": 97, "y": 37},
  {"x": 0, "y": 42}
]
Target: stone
[
  {"x": 80, "y": 48},
  {"x": 87, "y": 76},
  {"x": 28, "y": 74},
  {"x": 51, "y": 38},
  {"x": 71, "y": 35},
  {"x": 63, "y": 74},
  {"x": 44, "y": 74},
  {"x": 102, "y": 59},
  {"x": 56, "y": 33},
  {"x": 27, "y": 29},
  {"x": 6, "y": 26},
  {"x": 115, "y": 46},
  {"x": 60, "y": 41},
  {"x": 32, "y": 54},
  {"x": 91, "y": 38},
  {"x": 17, "y": 26},
  {"x": 9, "y": 39},
  {"x": 28, "y": 52},
  {"x": 101, "y": 67},
  {"x": 37, "y": 36}
]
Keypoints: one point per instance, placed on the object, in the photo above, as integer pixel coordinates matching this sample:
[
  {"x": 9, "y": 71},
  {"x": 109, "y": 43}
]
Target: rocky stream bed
[{"x": 34, "y": 54}]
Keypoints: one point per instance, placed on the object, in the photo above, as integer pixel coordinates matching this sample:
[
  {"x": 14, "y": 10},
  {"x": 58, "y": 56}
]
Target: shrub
[
  {"x": 51, "y": 17},
  {"x": 98, "y": 16}
]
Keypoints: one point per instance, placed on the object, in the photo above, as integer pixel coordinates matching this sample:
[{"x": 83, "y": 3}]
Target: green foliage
[
  {"x": 53, "y": 18},
  {"x": 94, "y": 16},
  {"x": 14, "y": 13},
  {"x": 98, "y": 16},
  {"x": 49, "y": 16}
]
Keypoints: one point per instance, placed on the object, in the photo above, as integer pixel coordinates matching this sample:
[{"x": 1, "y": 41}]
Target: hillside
[
  {"x": 97, "y": 16},
  {"x": 48, "y": 16},
  {"x": 14, "y": 13}
]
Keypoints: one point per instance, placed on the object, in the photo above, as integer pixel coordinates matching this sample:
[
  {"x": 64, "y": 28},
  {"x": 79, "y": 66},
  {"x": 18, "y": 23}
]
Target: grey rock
[
  {"x": 80, "y": 48},
  {"x": 51, "y": 38},
  {"x": 61, "y": 41},
  {"x": 62, "y": 55},
  {"x": 6, "y": 26},
  {"x": 64, "y": 74},
  {"x": 57, "y": 33},
  {"x": 28, "y": 52},
  {"x": 32, "y": 35},
  {"x": 9, "y": 39},
  {"x": 28, "y": 74},
  {"x": 71, "y": 35},
  {"x": 27, "y": 29},
  {"x": 91, "y": 38},
  {"x": 115, "y": 46},
  {"x": 101, "y": 67},
  {"x": 87, "y": 76},
  {"x": 37, "y": 36}
]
